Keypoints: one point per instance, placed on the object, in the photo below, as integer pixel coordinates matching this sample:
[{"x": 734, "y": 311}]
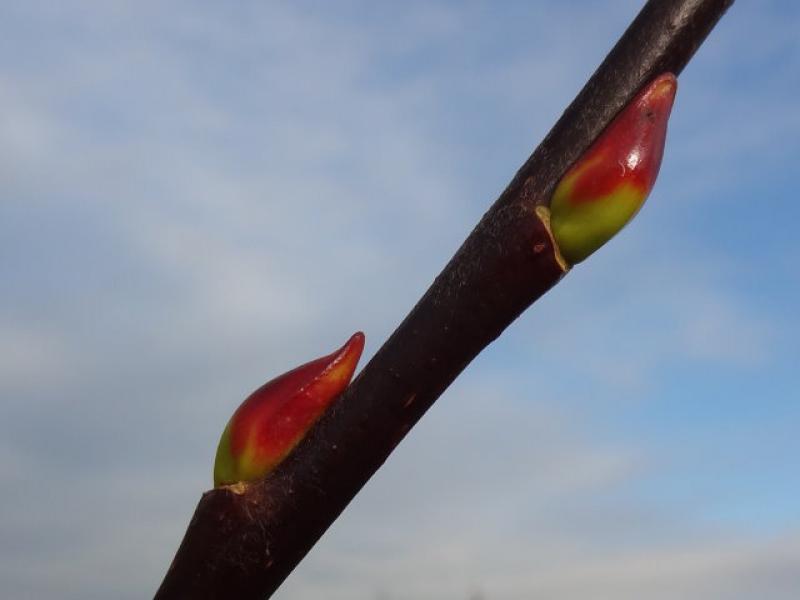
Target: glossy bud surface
[
  {"x": 274, "y": 418},
  {"x": 609, "y": 183}
]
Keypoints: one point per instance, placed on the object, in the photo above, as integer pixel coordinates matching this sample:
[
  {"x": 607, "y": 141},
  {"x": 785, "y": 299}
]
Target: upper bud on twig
[{"x": 609, "y": 183}]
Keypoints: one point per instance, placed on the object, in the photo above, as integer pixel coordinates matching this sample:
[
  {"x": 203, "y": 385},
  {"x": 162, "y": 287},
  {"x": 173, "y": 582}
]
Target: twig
[{"x": 245, "y": 539}]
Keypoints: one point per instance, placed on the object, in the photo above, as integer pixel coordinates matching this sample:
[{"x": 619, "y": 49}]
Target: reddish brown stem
[{"x": 244, "y": 540}]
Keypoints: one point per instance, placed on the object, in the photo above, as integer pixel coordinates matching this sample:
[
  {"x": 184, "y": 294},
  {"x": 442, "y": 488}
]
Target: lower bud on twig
[{"x": 274, "y": 418}]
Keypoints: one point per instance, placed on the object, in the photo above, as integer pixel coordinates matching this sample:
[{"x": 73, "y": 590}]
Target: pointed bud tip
[
  {"x": 355, "y": 343},
  {"x": 663, "y": 87},
  {"x": 659, "y": 97},
  {"x": 344, "y": 361}
]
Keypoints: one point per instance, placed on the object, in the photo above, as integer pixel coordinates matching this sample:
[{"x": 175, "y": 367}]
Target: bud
[
  {"x": 274, "y": 418},
  {"x": 609, "y": 183}
]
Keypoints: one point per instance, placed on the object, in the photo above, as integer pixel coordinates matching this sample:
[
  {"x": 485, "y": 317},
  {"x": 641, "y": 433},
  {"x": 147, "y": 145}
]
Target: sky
[{"x": 198, "y": 196}]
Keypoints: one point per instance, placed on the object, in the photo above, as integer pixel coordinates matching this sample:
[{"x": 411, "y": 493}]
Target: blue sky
[{"x": 199, "y": 196}]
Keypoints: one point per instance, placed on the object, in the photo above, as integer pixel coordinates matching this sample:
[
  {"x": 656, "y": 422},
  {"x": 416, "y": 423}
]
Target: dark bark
[{"x": 244, "y": 540}]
